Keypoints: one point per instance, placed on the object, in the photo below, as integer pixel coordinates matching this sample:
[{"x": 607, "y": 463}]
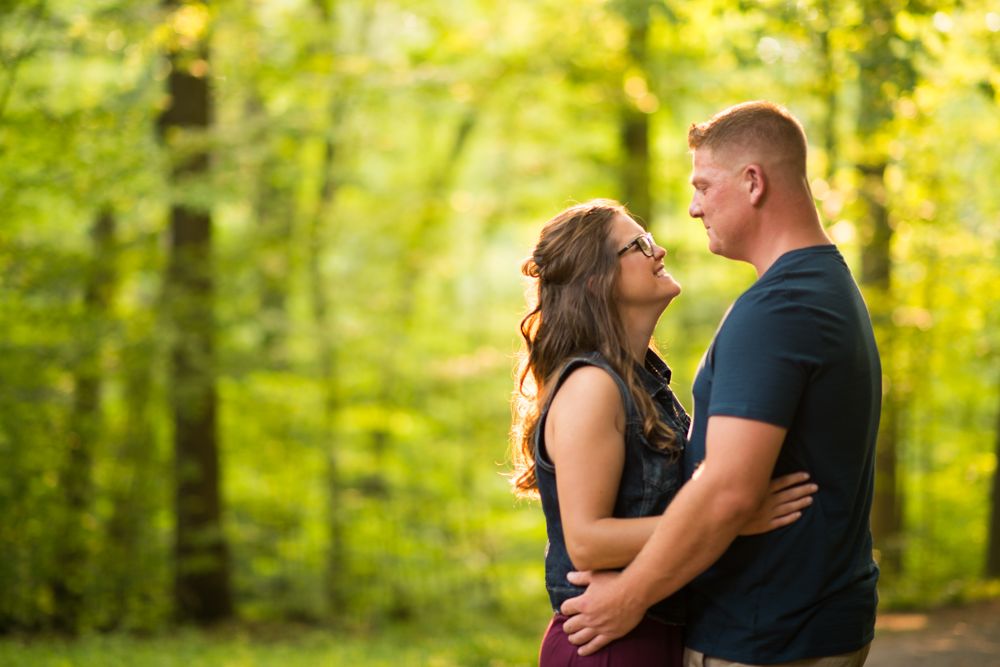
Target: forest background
[{"x": 260, "y": 283}]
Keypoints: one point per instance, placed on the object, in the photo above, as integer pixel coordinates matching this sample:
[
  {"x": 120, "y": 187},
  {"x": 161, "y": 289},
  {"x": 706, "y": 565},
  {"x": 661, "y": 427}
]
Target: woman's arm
[
  {"x": 786, "y": 498},
  {"x": 585, "y": 439}
]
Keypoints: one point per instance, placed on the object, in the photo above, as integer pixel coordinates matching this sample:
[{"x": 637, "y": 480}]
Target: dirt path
[{"x": 950, "y": 637}]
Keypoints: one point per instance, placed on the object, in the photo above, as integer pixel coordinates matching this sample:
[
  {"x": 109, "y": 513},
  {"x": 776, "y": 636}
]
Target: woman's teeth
[{"x": 662, "y": 273}]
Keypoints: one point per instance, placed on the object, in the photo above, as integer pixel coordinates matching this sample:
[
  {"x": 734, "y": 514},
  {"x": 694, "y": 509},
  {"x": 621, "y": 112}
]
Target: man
[{"x": 792, "y": 381}]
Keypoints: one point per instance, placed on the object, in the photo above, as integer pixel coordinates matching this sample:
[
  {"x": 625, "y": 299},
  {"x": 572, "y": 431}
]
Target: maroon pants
[{"x": 650, "y": 644}]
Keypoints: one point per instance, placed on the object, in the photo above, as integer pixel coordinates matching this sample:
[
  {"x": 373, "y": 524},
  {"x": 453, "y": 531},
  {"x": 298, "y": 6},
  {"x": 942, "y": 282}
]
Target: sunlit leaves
[{"x": 457, "y": 129}]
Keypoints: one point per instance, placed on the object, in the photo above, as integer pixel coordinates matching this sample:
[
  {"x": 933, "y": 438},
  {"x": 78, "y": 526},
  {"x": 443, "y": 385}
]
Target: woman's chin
[{"x": 674, "y": 288}]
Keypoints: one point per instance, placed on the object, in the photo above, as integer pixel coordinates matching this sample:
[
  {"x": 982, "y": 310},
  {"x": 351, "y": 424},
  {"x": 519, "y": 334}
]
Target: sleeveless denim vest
[{"x": 649, "y": 479}]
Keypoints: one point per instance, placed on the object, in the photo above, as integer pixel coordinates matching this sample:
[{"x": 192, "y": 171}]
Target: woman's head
[
  {"x": 574, "y": 266},
  {"x": 643, "y": 288},
  {"x": 576, "y": 297}
]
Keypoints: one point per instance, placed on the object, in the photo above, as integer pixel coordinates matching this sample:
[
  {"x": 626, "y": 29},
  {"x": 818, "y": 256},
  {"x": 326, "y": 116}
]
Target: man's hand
[{"x": 605, "y": 612}]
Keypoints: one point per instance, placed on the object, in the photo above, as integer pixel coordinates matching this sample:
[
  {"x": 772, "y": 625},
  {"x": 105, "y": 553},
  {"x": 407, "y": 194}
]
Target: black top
[{"x": 796, "y": 350}]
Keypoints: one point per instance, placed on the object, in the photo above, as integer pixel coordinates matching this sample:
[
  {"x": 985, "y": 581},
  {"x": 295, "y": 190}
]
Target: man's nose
[{"x": 694, "y": 210}]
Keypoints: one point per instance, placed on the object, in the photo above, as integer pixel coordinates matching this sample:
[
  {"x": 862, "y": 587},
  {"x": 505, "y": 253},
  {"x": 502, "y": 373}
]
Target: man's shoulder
[
  {"x": 775, "y": 300},
  {"x": 797, "y": 284},
  {"x": 772, "y": 322}
]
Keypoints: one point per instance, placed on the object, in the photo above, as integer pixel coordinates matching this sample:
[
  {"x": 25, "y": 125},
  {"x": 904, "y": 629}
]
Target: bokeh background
[{"x": 259, "y": 290}]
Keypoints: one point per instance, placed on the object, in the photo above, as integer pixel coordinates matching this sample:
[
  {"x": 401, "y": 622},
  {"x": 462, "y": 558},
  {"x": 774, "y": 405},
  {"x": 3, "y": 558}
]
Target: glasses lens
[{"x": 646, "y": 244}]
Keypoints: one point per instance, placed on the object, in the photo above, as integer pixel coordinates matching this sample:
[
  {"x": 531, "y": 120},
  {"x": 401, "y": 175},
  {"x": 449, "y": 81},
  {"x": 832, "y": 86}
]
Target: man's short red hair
[{"x": 763, "y": 128}]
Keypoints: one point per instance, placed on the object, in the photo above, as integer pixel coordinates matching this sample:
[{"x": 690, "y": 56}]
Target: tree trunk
[
  {"x": 85, "y": 423},
  {"x": 635, "y": 126},
  {"x": 336, "y": 558},
  {"x": 275, "y": 212},
  {"x": 881, "y": 69},
  {"x": 274, "y": 207},
  {"x": 131, "y": 541},
  {"x": 201, "y": 580},
  {"x": 322, "y": 238},
  {"x": 828, "y": 93},
  {"x": 876, "y": 274},
  {"x": 993, "y": 550}
]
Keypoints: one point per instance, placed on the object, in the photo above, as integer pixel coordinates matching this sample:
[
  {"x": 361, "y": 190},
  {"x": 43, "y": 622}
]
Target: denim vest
[{"x": 649, "y": 478}]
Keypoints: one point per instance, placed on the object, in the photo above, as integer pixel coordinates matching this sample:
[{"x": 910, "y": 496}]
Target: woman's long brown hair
[{"x": 572, "y": 310}]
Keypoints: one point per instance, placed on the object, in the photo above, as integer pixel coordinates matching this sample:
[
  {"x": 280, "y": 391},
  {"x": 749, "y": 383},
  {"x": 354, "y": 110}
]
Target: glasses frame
[{"x": 648, "y": 238}]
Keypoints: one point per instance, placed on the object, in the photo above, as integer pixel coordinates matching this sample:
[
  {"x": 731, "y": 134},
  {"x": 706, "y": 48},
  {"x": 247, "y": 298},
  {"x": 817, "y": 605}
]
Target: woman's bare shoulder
[{"x": 589, "y": 391}]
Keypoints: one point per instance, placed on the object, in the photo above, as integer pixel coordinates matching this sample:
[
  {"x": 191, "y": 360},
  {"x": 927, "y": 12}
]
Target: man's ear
[{"x": 756, "y": 182}]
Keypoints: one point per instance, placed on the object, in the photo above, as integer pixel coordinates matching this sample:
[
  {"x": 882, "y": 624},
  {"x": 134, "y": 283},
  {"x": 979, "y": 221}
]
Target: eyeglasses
[{"x": 645, "y": 243}]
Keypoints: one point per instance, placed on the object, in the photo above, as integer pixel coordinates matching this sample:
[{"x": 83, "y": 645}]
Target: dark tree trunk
[
  {"x": 134, "y": 499},
  {"x": 336, "y": 559},
  {"x": 434, "y": 213},
  {"x": 322, "y": 238},
  {"x": 275, "y": 225},
  {"x": 828, "y": 93},
  {"x": 993, "y": 550},
  {"x": 336, "y": 567},
  {"x": 201, "y": 580},
  {"x": 275, "y": 208},
  {"x": 635, "y": 127},
  {"x": 879, "y": 66},
  {"x": 85, "y": 421},
  {"x": 876, "y": 273}
]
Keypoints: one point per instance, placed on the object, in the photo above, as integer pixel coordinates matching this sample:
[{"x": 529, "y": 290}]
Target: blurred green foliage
[
  {"x": 378, "y": 171},
  {"x": 288, "y": 647}
]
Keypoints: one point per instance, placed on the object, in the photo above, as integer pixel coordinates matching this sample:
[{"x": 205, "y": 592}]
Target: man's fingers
[
  {"x": 580, "y": 578},
  {"x": 581, "y": 637},
  {"x": 573, "y": 623},
  {"x": 595, "y": 645},
  {"x": 571, "y": 606}
]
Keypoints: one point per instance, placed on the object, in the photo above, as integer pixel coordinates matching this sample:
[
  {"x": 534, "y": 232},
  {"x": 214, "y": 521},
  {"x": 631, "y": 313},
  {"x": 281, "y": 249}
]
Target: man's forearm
[
  {"x": 700, "y": 523},
  {"x": 698, "y": 526}
]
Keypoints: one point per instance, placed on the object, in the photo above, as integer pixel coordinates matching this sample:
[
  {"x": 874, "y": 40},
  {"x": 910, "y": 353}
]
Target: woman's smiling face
[{"x": 643, "y": 282}]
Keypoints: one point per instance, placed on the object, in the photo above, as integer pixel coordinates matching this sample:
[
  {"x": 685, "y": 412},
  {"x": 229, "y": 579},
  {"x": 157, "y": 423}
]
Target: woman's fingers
[
  {"x": 784, "y": 520},
  {"x": 786, "y": 481},
  {"x": 794, "y": 493},
  {"x": 786, "y": 497},
  {"x": 792, "y": 506}
]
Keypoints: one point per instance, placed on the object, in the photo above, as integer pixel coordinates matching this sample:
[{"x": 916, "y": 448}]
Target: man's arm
[{"x": 698, "y": 526}]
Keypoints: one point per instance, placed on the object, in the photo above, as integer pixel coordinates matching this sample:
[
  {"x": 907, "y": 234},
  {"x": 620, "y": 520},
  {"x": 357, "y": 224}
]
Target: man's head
[
  {"x": 753, "y": 132},
  {"x": 749, "y": 163}
]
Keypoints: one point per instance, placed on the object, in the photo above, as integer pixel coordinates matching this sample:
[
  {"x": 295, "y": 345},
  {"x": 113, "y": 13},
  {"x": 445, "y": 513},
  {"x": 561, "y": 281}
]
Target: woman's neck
[{"x": 639, "y": 330}]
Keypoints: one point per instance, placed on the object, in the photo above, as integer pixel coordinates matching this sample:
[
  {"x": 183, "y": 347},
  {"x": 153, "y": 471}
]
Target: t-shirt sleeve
[{"x": 762, "y": 358}]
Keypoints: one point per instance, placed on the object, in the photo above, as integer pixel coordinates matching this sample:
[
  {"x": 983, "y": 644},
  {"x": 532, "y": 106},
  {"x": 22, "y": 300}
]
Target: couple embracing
[{"x": 741, "y": 537}]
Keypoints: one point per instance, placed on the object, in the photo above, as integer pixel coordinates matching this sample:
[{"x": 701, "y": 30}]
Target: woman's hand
[{"x": 783, "y": 504}]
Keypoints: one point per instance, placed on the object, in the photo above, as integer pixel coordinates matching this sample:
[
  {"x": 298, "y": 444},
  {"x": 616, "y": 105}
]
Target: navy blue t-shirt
[{"x": 796, "y": 350}]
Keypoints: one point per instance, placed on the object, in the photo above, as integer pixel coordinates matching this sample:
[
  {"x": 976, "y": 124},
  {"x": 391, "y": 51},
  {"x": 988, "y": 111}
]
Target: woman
[{"x": 598, "y": 434}]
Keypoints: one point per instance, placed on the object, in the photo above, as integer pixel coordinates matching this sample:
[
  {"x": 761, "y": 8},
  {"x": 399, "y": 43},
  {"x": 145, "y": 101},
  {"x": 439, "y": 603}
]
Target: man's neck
[{"x": 784, "y": 236}]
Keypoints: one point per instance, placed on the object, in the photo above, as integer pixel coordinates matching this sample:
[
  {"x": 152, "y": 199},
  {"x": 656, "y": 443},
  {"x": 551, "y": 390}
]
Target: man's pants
[{"x": 856, "y": 659}]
